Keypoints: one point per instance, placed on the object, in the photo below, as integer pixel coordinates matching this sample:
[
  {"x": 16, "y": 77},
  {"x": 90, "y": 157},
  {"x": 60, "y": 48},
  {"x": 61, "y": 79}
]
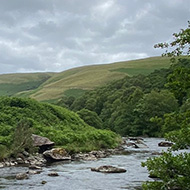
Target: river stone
[
  {"x": 53, "y": 174},
  {"x": 165, "y": 144},
  {"x": 19, "y": 160},
  {"x": 135, "y": 138},
  {"x": 21, "y": 176},
  {"x": 108, "y": 169},
  {"x": 140, "y": 144},
  {"x": 33, "y": 172},
  {"x": 57, "y": 154},
  {"x": 35, "y": 167},
  {"x": 1, "y": 165}
]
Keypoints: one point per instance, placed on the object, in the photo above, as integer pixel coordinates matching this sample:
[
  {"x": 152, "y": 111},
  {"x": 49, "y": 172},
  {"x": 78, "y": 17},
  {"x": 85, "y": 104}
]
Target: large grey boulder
[
  {"x": 56, "y": 154},
  {"x": 108, "y": 169},
  {"x": 42, "y": 142}
]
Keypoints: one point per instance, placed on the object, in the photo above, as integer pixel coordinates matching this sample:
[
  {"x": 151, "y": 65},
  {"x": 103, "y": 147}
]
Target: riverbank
[
  {"x": 77, "y": 174},
  {"x": 26, "y": 159}
]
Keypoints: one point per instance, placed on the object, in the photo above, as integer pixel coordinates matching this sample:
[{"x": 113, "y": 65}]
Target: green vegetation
[
  {"x": 131, "y": 106},
  {"x": 171, "y": 168},
  {"x": 60, "y": 125},
  {"x": 13, "y": 84},
  {"x": 157, "y": 104},
  {"x": 135, "y": 71},
  {"x": 91, "y": 118},
  {"x": 74, "y": 92}
]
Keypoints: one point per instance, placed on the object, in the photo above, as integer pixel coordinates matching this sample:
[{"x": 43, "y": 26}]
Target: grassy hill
[
  {"x": 60, "y": 125},
  {"x": 50, "y": 87},
  {"x": 11, "y": 84}
]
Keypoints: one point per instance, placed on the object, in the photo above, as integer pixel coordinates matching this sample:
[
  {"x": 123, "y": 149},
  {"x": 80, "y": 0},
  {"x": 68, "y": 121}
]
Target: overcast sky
[{"x": 55, "y": 35}]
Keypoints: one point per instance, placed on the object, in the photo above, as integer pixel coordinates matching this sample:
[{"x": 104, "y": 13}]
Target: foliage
[
  {"x": 3, "y": 152},
  {"x": 60, "y": 125},
  {"x": 127, "y": 106},
  {"x": 180, "y": 44},
  {"x": 172, "y": 168},
  {"x": 179, "y": 81},
  {"x": 154, "y": 104},
  {"x": 91, "y": 118},
  {"x": 22, "y": 138}
]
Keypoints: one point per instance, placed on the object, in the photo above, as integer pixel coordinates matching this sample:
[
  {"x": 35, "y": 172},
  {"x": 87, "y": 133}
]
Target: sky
[{"x": 56, "y": 35}]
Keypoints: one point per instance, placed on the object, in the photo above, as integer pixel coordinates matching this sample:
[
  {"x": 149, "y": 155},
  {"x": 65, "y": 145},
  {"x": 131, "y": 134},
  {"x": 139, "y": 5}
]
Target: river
[{"x": 77, "y": 175}]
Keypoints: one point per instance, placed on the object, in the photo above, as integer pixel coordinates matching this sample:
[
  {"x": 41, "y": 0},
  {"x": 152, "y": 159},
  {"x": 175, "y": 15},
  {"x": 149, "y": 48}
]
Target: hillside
[
  {"x": 137, "y": 105},
  {"x": 11, "y": 84},
  {"x": 60, "y": 125},
  {"x": 76, "y": 81}
]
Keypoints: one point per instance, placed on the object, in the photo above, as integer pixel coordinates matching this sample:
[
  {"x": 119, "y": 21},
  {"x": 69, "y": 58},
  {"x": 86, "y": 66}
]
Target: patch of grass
[
  {"x": 9, "y": 89},
  {"x": 74, "y": 92},
  {"x": 134, "y": 71},
  {"x": 12, "y": 84}
]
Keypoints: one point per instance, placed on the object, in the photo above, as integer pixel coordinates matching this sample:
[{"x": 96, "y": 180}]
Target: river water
[{"x": 77, "y": 175}]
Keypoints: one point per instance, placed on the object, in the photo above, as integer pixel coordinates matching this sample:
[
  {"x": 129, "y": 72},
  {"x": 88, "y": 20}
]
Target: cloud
[{"x": 56, "y": 35}]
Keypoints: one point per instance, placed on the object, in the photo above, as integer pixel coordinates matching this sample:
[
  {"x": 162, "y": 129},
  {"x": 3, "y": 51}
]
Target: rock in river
[
  {"x": 53, "y": 174},
  {"x": 56, "y": 154},
  {"x": 165, "y": 144},
  {"x": 22, "y": 176},
  {"x": 108, "y": 169}
]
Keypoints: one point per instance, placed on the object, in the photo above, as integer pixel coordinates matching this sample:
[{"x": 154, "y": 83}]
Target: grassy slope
[
  {"x": 11, "y": 84},
  {"x": 60, "y": 125},
  {"x": 76, "y": 81},
  {"x": 89, "y": 77}
]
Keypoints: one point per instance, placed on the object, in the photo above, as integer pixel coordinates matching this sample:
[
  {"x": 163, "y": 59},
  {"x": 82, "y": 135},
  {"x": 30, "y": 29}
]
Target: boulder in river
[
  {"x": 56, "y": 154},
  {"x": 21, "y": 176},
  {"x": 165, "y": 144},
  {"x": 33, "y": 172},
  {"x": 108, "y": 169},
  {"x": 53, "y": 174},
  {"x": 136, "y": 143},
  {"x": 35, "y": 167}
]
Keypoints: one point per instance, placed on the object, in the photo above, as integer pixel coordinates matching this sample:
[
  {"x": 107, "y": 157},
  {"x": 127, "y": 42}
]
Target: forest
[
  {"x": 154, "y": 105},
  {"x": 139, "y": 105}
]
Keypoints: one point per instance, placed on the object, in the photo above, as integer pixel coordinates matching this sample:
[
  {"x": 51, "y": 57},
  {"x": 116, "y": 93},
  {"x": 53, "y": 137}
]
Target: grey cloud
[{"x": 55, "y": 35}]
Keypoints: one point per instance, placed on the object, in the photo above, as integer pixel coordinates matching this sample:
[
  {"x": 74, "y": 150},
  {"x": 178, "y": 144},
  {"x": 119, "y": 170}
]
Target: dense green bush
[
  {"x": 60, "y": 125},
  {"x": 172, "y": 170},
  {"x": 91, "y": 118}
]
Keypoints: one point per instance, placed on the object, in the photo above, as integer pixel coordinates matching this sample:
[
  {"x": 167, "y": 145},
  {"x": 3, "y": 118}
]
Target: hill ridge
[{"x": 50, "y": 86}]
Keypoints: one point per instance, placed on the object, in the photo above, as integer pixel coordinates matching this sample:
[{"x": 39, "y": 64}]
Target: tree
[
  {"x": 22, "y": 138},
  {"x": 91, "y": 118},
  {"x": 154, "y": 104},
  {"x": 173, "y": 170},
  {"x": 179, "y": 80},
  {"x": 180, "y": 45}
]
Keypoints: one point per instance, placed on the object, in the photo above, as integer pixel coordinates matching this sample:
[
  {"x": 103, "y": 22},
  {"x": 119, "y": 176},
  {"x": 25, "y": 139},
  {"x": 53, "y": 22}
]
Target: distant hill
[
  {"x": 11, "y": 84},
  {"x": 53, "y": 86}
]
